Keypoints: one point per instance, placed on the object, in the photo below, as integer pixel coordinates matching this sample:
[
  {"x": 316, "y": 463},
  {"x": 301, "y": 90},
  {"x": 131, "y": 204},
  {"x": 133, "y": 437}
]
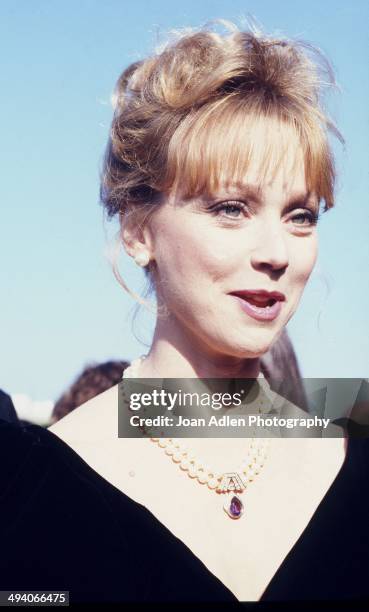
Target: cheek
[
  {"x": 304, "y": 260},
  {"x": 179, "y": 261},
  {"x": 189, "y": 257}
]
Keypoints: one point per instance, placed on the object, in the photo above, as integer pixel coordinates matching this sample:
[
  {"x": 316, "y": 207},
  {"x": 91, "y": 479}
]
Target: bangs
[{"x": 215, "y": 146}]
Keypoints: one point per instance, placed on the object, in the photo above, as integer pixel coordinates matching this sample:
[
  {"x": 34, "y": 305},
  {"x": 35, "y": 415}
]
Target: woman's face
[{"x": 259, "y": 235}]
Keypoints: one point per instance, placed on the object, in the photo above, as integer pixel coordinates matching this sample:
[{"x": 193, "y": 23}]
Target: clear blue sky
[{"x": 60, "y": 304}]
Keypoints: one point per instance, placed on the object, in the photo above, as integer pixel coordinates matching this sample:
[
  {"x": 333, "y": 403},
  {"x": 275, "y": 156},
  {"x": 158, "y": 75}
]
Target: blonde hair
[{"x": 175, "y": 110}]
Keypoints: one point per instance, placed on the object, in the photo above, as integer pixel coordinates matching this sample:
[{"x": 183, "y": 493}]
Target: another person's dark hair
[
  {"x": 281, "y": 369},
  {"x": 94, "y": 379},
  {"x": 7, "y": 410}
]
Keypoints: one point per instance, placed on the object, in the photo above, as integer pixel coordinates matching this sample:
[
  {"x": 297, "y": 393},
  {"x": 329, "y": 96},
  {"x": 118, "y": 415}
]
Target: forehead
[
  {"x": 274, "y": 158},
  {"x": 286, "y": 158},
  {"x": 264, "y": 152},
  {"x": 256, "y": 182}
]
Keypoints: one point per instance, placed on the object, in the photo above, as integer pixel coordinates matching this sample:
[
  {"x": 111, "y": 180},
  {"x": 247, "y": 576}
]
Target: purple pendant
[{"x": 234, "y": 507}]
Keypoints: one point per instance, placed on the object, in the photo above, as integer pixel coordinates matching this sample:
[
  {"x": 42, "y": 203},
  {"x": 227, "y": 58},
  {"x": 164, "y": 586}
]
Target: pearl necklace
[{"x": 226, "y": 483}]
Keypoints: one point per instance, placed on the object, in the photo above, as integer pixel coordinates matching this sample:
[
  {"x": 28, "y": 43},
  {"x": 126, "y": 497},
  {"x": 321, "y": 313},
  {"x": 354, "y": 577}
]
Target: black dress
[{"x": 64, "y": 527}]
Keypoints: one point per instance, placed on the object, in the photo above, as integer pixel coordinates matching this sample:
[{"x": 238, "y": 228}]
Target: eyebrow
[{"x": 255, "y": 192}]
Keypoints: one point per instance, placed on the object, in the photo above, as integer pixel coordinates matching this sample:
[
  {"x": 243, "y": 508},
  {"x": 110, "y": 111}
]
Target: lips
[
  {"x": 263, "y": 306},
  {"x": 260, "y": 297}
]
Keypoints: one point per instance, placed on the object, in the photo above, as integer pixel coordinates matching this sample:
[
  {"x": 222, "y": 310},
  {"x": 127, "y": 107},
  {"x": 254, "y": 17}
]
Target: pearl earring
[{"x": 142, "y": 259}]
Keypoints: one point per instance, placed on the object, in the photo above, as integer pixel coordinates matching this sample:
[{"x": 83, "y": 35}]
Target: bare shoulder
[
  {"x": 95, "y": 419},
  {"x": 91, "y": 430}
]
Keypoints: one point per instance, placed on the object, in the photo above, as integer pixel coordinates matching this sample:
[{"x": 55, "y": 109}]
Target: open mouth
[
  {"x": 259, "y": 302},
  {"x": 259, "y": 307}
]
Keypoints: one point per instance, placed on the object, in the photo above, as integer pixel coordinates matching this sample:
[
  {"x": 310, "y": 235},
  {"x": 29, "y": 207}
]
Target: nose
[{"x": 270, "y": 248}]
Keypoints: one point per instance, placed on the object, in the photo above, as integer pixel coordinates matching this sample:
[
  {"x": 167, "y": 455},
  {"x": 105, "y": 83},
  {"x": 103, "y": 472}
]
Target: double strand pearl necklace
[{"x": 227, "y": 483}]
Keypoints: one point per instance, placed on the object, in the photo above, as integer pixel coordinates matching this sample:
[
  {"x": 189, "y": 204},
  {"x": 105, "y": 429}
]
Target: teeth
[
  {"x": 262, "y": 302},
  {"x": 261, "y": 307}
]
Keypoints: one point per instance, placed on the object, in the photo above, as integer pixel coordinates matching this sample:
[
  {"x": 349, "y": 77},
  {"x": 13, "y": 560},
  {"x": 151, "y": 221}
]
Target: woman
[{"x": 216, "y": 167}]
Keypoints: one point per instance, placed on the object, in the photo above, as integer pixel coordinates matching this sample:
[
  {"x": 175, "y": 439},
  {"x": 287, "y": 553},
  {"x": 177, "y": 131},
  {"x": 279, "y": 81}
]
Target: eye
[
  {"x": 309, "y": 216},
  {"x": 230, "y": 207}
]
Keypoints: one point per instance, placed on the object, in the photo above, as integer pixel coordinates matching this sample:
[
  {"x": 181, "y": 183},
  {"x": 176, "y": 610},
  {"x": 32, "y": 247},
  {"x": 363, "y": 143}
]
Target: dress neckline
[
  {"x": 342, "y": 474},
  {"x": 299, "y": 542}
]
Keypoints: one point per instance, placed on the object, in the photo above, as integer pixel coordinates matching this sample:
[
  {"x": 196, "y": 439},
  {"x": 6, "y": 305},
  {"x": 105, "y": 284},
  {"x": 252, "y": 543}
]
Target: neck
[{"x": 175, "y": 354}]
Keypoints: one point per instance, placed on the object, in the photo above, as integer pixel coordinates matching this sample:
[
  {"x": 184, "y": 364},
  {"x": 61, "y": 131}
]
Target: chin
[
  {"x": 248, "y": 349},
  {"x": 254, "y": 349}
]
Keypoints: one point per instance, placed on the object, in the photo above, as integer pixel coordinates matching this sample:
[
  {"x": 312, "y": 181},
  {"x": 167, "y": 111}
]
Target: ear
[{"x": 136, "y": 233}]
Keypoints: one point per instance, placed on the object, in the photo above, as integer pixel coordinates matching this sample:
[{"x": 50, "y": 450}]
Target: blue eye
[
  {"x": 231, "y": 209},
  {"x": 230, "y": 206},
  {"x": 311, "y": 217}
]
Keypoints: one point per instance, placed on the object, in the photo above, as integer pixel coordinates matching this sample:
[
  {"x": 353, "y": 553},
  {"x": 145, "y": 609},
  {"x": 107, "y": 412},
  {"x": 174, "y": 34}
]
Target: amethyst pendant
[{"x": 233, "y": 506}]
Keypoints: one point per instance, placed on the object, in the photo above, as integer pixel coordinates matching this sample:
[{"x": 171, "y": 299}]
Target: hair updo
[{"x": 182, "y": 117}]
